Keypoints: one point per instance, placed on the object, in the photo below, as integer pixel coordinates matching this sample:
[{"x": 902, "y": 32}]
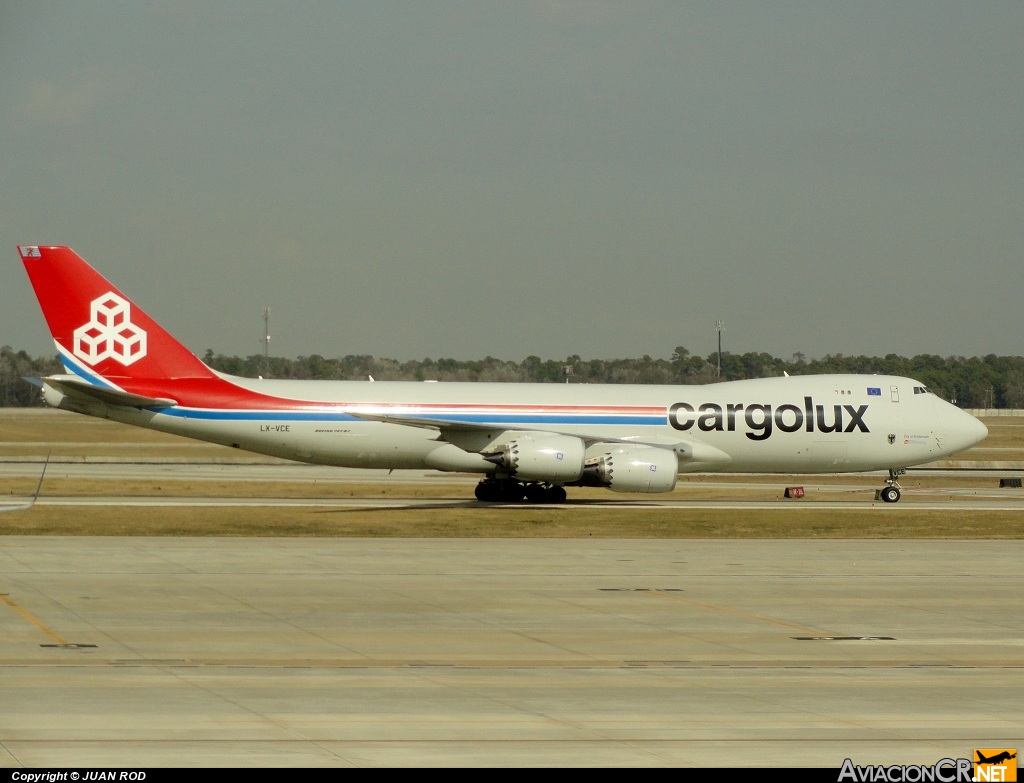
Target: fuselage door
[{"x": 895, "y": 392}]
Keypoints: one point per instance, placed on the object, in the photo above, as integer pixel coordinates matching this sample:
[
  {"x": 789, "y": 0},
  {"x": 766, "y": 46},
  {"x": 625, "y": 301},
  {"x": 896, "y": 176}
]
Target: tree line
[{"x": 975, "y": 382}]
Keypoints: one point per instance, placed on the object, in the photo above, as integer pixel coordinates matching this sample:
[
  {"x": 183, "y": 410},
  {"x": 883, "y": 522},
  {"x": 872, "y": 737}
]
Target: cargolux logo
[
  {"x": 761, "y": 420},
  {"x": 110, "y": 334}
]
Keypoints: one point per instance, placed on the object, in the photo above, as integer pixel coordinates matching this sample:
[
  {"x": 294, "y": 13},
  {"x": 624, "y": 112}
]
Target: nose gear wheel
[{"x": 891, "y": 492}]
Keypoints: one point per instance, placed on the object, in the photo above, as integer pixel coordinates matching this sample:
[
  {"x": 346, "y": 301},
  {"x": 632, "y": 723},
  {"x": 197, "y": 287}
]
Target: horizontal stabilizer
[{"x": 73, "y": 386}]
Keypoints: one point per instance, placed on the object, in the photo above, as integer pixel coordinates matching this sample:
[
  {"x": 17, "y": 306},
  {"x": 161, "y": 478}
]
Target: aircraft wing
[
  {"x": 427, "y": 423},
  {"x": 455, "y": 432},
  {"x": 455, "y": 427}
]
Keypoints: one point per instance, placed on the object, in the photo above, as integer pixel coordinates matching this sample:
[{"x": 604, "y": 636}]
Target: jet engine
[
  {"x": 632, "y": 469},
  {"x": 539, "y": 457}
]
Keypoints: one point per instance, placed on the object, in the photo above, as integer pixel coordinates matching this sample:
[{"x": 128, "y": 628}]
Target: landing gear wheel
[
  {"x": 891, "y": 492},
  {"x": 508, "y": 490},
  {"x": 486, "y": 491},
  {"x": 890, "y": 495},
  {"x": 540, "y": 493},
  {"x": 499, "y": 491},
  {"x": 512, "y": 491},
  {"x": 536, "y": 493}
]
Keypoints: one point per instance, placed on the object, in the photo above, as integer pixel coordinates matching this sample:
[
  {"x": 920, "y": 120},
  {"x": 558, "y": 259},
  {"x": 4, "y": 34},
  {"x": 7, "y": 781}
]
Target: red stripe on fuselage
[{"x": 220, "y": 394}]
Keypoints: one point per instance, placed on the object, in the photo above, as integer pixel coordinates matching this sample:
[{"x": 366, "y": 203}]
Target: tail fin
[{"x": 103, "y": 337}]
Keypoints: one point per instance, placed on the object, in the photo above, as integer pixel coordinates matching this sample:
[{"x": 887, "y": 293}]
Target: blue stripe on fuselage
[
  {"x": 218, "y": 415},
  {"x": 496, "y": 419}
]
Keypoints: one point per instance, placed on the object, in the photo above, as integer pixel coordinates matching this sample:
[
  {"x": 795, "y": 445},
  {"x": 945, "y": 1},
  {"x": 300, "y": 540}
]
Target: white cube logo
[{"x": 110, "y": 334}]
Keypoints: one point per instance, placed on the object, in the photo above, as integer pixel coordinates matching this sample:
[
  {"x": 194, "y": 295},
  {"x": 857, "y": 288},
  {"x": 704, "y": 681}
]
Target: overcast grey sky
[{"x": 512, "y": 178}]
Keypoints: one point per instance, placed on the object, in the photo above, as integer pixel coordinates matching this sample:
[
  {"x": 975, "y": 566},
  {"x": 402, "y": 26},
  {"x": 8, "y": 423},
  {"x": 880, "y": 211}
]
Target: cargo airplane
[{"x": 525, "y": 440}]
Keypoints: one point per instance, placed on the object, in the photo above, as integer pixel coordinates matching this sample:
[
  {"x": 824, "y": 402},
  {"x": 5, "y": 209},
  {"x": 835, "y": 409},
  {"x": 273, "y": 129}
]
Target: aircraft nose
[
  {"x": 982, "y": 431},
  {"x": 966, "y": 431}
]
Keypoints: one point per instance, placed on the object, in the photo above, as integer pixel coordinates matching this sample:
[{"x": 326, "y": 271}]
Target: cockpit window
[{"x": 922, "y": 390}]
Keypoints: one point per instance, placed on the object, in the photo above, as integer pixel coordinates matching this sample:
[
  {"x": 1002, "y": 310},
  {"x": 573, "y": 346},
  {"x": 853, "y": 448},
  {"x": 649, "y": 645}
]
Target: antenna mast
[
  {"x": 718, "y": 325},
  {"x": 266, "y": 339}
]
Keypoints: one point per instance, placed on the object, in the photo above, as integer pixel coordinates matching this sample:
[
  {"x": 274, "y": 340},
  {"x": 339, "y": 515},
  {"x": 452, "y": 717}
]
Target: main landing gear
[
  {"x": 507, "y": 490},
  {"x": 891, "y": 492}
]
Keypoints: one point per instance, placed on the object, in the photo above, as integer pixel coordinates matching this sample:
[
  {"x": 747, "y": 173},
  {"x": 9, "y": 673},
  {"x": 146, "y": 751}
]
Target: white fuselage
[{"x": 799, "y": 424}]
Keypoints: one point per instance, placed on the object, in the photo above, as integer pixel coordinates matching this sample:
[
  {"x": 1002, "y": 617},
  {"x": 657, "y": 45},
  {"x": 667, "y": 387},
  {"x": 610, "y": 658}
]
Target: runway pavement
[
  {"x": 692, "y": 494},
  {"x": 970, "y": 502},
  {"x": 364, "y": 652}
]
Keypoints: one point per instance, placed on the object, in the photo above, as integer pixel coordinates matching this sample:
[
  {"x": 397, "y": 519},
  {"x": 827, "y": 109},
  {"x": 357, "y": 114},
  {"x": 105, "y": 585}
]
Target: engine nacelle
[
  {"x": 553, "y": 458},
  {"x": 633, "y": 469}
]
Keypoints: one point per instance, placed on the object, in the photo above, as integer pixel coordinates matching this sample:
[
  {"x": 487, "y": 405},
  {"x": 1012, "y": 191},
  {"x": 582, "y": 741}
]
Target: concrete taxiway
[{"x": 359, "y": 652}]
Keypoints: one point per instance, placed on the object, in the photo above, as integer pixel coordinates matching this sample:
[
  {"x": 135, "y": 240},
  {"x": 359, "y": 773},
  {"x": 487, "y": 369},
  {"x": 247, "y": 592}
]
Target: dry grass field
[{"x": 30, "y": 435}]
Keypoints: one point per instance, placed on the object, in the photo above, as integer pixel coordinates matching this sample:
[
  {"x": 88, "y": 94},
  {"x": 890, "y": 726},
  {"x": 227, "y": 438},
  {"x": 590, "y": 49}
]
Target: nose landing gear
[{"x": 891, "y": 492}]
